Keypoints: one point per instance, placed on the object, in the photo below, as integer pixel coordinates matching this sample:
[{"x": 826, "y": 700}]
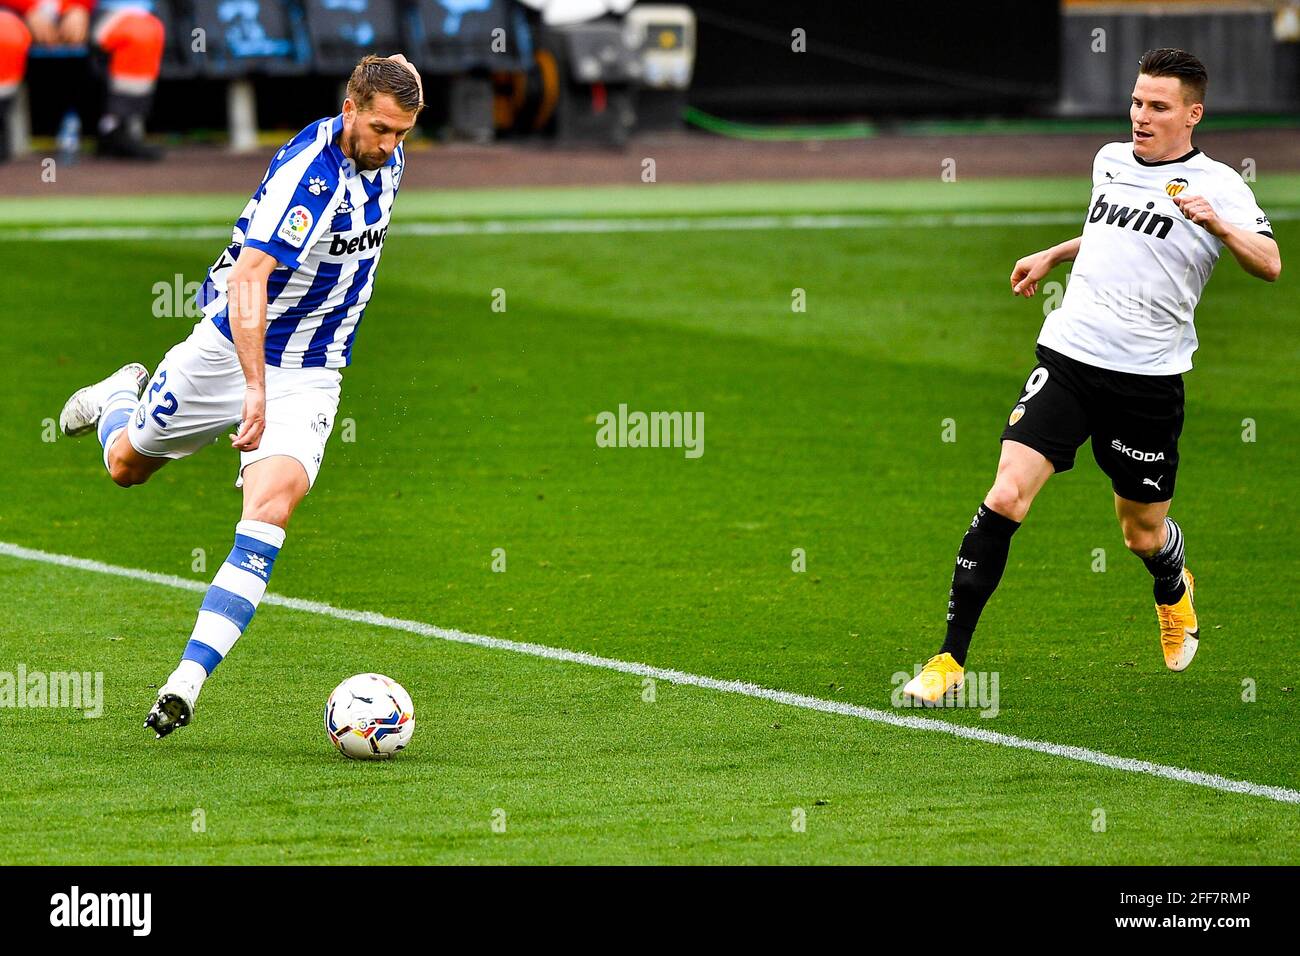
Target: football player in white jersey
[
  {"x": 281, "y": 306},
  {"x": 1111, "y": 358}
]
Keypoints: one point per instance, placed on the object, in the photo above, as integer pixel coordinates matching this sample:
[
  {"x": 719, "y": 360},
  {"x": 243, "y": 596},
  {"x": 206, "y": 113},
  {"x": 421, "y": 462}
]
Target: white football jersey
[{"x": 1130, "y": 301}]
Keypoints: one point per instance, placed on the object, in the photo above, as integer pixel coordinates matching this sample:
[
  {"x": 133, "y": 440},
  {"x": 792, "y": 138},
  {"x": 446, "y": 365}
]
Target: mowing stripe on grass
[
  {"x": 510, "y": 227},
  {"x": 1081, "y": 754}
]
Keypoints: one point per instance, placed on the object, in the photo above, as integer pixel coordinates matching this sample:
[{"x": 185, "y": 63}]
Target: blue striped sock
[
  {"x": 115, "y": 416},
  {"x": 234, "y": 595}
]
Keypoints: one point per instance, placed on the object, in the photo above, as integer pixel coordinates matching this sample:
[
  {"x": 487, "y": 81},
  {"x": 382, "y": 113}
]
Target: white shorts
[{"x": 197, "y": 395}]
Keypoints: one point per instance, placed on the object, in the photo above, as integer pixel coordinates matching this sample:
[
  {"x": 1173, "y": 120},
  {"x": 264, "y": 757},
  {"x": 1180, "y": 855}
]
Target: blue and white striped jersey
[{"x": 325, "y": 222}]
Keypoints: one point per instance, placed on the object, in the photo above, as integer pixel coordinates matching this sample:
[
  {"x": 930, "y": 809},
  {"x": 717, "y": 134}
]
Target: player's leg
[
  {"x": 981, "y": 559},
  {"x": 1157, "y": 539},
  {"x": 194, "y": 396},
  {"x": 275, "y": 478},
  {"x": 125, "y": 465},
  {"x": 1043, "y": 432},
  {"x": 1148, "y": 530},
  {"x": 1137, "y": 446},
  {"x": 106, "y": 408},
  {"x": 273, "y": 488}
]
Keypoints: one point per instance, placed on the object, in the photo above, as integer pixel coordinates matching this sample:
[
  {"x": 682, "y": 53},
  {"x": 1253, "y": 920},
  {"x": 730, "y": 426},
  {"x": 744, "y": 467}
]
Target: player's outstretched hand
[
  {"x": 1025, "y": 276},
  {"x": 253, "y": 422},
  {"x": 1199, "y": 211}
]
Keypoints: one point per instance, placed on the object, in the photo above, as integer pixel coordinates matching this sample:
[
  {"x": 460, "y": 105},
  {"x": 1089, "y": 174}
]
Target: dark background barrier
[
  {"x": 898, "y": 58},
  {"x": 946, "y": 58}
]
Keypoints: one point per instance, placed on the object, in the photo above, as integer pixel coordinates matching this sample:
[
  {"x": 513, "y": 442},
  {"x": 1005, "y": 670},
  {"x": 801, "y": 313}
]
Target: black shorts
[{"x": 1133, "y": 420}]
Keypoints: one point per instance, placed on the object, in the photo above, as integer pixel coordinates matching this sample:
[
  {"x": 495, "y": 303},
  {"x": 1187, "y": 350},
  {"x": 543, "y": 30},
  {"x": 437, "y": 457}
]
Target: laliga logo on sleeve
[
  {"x": 295, "y": 226},
  {"x": 1175, "y": 186}
]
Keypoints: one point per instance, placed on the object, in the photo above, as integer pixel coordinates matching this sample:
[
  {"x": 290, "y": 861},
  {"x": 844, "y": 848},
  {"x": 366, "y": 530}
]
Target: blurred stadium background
[{"x": 601, "y": 72}]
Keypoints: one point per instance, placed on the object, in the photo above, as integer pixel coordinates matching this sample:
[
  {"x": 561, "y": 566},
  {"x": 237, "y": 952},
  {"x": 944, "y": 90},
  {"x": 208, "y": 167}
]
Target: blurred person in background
[{"x": 122, "y": 30}]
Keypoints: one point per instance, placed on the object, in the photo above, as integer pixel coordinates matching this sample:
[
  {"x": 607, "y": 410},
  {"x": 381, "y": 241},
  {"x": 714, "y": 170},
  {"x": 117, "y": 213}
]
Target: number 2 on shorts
[{"x": 168, "y": 404}]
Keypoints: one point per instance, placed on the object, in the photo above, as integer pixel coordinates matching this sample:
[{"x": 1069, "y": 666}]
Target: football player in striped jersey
[{"x": 281, "y": 309}]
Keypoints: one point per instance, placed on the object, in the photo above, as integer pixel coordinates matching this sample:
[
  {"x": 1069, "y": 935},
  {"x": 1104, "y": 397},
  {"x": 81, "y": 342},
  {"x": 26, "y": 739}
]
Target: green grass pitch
[{"x": 475, "y": 430}]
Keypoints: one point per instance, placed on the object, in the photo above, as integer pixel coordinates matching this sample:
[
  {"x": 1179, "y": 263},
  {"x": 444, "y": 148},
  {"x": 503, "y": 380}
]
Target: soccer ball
[{"x": 369, "y": 717}]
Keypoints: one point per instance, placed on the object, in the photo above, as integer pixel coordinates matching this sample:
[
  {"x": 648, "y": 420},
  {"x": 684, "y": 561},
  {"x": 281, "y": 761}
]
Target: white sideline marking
[
  {"x": 506, "y": 227},
  {"x": 1081, "y": 754}
]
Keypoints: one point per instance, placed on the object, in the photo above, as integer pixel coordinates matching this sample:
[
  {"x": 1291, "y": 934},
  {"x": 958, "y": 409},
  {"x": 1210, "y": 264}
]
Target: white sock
[{"x": 189, "y": 672}]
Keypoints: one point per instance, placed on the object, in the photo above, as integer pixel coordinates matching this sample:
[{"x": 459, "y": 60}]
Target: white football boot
[
  {"x": 174, "y": 707},
  {"x": 81, "y": 412}
]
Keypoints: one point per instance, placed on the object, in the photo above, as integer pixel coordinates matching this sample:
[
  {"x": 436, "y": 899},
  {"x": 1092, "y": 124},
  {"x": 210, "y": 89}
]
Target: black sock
[
  {"x": 1166, "y": 566},
  {"x": 127, "y": 110},
  {"x": 980, "y": 563}
]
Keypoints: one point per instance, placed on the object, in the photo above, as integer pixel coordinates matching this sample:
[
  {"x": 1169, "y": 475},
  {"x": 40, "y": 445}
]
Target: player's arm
[
  {"x": 1029, "y": 270},
  {"x": 1257, "y": 253},
  {"x": 246, "y": 304}
]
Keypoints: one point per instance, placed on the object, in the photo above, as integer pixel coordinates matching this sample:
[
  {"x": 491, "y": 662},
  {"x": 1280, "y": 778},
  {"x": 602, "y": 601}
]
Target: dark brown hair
[
  {"x": 378, "y": 74},
  {"x": 1179, "y": 63}
]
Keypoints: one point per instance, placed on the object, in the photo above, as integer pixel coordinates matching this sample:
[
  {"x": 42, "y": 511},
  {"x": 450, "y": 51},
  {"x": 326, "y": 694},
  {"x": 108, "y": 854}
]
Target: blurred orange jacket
[{"x": 23, "y": 7}]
